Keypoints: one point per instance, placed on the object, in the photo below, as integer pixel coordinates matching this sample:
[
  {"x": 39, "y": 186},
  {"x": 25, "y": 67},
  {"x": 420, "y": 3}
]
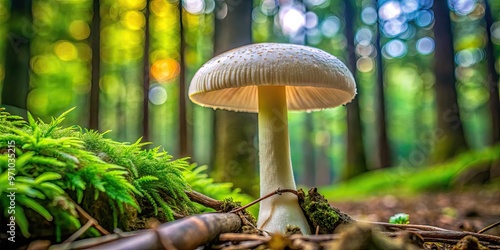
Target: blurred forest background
[{"x": 427, "y": 75}]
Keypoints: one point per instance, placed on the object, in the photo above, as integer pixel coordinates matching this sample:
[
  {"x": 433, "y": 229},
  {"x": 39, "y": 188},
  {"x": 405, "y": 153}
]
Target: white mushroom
[{"x": 272, "y": 78}]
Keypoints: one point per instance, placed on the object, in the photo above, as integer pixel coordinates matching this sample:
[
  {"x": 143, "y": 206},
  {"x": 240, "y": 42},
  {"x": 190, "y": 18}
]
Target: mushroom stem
[{"x": 275, "y": 165}]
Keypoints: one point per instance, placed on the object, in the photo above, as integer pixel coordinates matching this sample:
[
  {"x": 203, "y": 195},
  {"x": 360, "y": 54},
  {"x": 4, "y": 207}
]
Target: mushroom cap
[{"x": 313, "y": 78}]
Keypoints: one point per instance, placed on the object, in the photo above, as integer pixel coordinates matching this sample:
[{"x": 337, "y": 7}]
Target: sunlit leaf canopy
[{"x": 61, "y": 69}]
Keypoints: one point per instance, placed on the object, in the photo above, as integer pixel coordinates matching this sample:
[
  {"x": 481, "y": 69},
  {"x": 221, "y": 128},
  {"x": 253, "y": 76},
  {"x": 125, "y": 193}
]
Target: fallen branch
[{"x": 187, "y": 233}]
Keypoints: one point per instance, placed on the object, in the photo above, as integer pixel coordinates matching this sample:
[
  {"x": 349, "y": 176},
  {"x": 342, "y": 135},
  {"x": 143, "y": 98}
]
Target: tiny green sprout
[{"x": 400, "y": 218}]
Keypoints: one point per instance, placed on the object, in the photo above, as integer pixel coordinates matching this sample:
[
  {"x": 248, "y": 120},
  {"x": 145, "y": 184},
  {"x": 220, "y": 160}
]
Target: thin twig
[
  {"x": 204, "y": 200},
  {"x": 452, "y": 235},
  {"x": 90, "y": 222},
  {"x": 278, "y": 191},
  {"x": 406, "y": 226},
  {"x": 244, "y": 245},
  {"x": 79, "y": 232},
  {"x": 243, "y": 237},
  {"x": 315, "y": 238},
  {"x": 90, "y": 218},
  {"x": 488, "y": 227},
  {"x": 246, "y": 222}
]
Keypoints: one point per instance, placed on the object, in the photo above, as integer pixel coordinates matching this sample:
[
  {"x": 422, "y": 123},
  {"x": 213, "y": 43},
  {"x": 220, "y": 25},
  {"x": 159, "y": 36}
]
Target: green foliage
[
  {"x": 410, "y": 180},
  {"x": 400, "y": 218},
  {"x": 31, "y": 173},
  {"x": 199, "y": 181},
  {"x": 157, "y": 177},
  {"x": 53, "y": 164}
]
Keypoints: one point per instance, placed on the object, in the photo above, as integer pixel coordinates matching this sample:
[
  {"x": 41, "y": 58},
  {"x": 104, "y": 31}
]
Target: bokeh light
[
  {"x": 157, "y": 94},
  {"x": 132, "y": 4},
  {"x": 159, "y": 8},
  {"x": 425, "y": 45},
  {"x": 311, "y": 20},
  {"x": 331, "y": 26},
  {"x": 292, "y": 20},
  {"x": 462, "y": 7},
  {"x": 424, "y": 18},
  {"x": 79, "y": 29},
  {"x": 269, "y": 7},
  {"x": 364, "y": 36},
  {"x": 394, "y": 27},
  {"x": 133, "y": 20},
  {"x": 369, "y": 15},
  {"x": 209, "y": 6},
  {"x": 165, "y": 69},
  {"x": 400, "y": 18},
  {"x": 390, "y": 10},
  {"x": 395, "y": 48},
  {"x": 365, "y": 64},
  {"x": 409, "y": 6},
  {"x": 194, "y": 6},
  {"x": 65, "y": 50},
  {"x": 365, "y": 50},
  {"x": 469, "y": 57},
  {"x": 45, "y": 64}
]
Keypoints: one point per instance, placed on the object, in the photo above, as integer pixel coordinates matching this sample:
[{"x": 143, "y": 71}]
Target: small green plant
[{"x": 400, "y": 218}]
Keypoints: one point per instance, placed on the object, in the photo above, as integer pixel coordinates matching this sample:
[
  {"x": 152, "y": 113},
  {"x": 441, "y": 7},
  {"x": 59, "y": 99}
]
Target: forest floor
[
  {"x": 469, "y": 210},
  {"x": 460, "y": 210},
  {"x": 456, "y": 211}
]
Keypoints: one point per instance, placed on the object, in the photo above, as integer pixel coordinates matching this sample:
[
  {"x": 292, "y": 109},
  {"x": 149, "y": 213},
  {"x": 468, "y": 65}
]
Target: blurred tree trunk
[
  {"x": 235, "y": 133},
  {"x": 383, "y": 150},
  {"x": 95, "y": 39},
  {"x": 17, "y": 70},
  {"x": 146, "y": 77},
  {"x": 184, "y": 131},
  {"x": 355, "y": 162},
  {"x": 450, "y": 139},
  {"x": 493, "y": 78}
]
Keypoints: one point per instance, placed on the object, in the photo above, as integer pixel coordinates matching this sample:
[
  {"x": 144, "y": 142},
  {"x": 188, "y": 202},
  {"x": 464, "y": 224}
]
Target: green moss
[
  {"x": 228, "y": 205},
  {"x": 319, "y": 213}
]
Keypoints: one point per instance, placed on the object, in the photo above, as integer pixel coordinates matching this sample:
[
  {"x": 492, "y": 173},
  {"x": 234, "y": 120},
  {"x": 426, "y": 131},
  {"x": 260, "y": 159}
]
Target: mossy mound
[{"x": 322, "y": 217}]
